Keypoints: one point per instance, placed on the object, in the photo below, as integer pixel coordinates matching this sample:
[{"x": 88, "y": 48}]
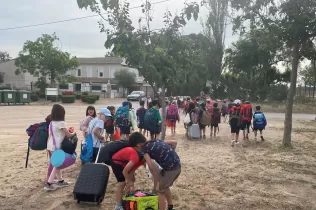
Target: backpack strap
[{"x": 51, "y": 131}]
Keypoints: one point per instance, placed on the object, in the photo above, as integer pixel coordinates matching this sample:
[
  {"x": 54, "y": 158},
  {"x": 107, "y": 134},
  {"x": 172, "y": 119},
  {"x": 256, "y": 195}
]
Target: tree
[
  {"x": 294, "y": 23},
  {"x": 4, "y": 56},
  {"x": 215, "y": 30},
  {"x": 42, "y": 59},
  {"x": 125, "y": 78},
  {"x": 156, "y": 54}
]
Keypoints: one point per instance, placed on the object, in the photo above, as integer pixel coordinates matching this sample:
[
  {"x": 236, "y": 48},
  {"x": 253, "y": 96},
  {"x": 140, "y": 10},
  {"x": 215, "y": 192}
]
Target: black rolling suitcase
[{"x": 92, "y": 182}]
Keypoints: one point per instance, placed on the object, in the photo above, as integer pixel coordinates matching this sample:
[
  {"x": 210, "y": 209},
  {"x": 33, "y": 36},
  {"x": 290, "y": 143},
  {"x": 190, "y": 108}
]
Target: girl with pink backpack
[{"x": 172, "y": 116}]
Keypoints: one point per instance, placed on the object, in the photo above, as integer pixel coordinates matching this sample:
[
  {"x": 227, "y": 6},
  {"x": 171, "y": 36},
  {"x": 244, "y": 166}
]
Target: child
[
  {"x": 154, "y": 134},
  {"x": 215, "y": 119},
  {"x": 90, "y": 115},
  {"x": 172, "y": 116},
  {"x": 132, "y": 116},
  {"x": 96, "y": 128},
  {"x": 202, "y": 108},
  {"x": 59, "y": 131},
  {"x": 246, "y": 117},
  {"x": 163, "y": 152},
  {"x": 140, "y": 114},
  {"x": 259, "y": 122},
  {"x": 109, "y": 125},
  {"x": 234, "y": 121},
  {"x": 124, "y": 164},
  {"x": 224, "y": 111}
]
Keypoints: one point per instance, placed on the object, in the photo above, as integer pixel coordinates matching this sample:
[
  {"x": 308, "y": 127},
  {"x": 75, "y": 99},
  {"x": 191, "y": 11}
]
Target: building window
[
  {"x": 96, "y": 87},
  {"x": 89, "y": 72},
  {"x": 100, "y": 73},
  {"x": 64, "y": 86},
  {"x": 78, "y": 72}
]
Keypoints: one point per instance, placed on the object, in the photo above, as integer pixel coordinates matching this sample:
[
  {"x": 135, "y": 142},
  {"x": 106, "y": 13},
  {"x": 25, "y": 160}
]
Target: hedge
[
  {"x": 84, "y": 97},
  {"x": 34, "y": 97},
  {"x": 68, "y": 98},
  {"x": 90, "y": 99},
  {"x": 78, "y": 96}
]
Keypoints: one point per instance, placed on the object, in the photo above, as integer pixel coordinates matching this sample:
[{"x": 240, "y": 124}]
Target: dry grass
[{"x": 261, "y": 176}]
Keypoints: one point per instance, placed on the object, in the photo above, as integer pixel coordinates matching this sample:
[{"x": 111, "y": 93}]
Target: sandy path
[{"x": 214, "y": 176}]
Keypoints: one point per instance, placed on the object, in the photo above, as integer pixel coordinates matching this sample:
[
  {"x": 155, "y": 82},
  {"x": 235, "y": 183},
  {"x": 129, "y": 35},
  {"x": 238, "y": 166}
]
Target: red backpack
[{"x": 247, "y": 112}]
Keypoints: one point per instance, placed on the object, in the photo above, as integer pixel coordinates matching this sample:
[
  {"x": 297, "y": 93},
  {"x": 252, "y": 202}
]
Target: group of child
[
  {"x": 240, "y": 116},
  {"x": 160, "y": 156}
]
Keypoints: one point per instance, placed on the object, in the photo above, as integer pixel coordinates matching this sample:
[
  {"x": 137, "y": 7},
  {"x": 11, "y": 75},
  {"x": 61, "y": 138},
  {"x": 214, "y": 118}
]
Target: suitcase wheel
[{"x": 99, "y": 201}]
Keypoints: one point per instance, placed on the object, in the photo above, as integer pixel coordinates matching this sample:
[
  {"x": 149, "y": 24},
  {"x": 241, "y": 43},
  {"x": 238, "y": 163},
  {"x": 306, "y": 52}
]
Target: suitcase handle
[{"x": 96, "y": 160}]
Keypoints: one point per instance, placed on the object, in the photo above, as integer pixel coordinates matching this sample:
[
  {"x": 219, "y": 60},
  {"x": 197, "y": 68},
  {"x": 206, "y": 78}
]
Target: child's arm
[{"x": 172, "y": 143}]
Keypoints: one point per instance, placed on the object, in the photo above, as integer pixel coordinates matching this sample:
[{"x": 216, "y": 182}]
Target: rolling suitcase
[
  {"x": 194, "y": 131},
  {"x": 92, "y": 182}
]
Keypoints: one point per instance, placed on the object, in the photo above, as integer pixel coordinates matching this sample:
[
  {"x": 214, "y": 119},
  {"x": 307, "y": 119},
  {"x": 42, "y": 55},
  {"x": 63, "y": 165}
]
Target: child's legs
[
  {"x": 119, "y": 192},
  {"x": 50, "y": 166},
  {"x": 118, "y": 173},
  {"x": 237, "y": 134},
  {"x": 255, "y": 132},
  {"x": 261, "y": 132},
  {"x": 55, "y": 173},
  {"x": 212, "y": 129},
  {"x": 165, "y": 182}
]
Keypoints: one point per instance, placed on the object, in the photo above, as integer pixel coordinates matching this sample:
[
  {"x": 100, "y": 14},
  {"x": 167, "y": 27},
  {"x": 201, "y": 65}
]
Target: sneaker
[
  {"x": 63, "y": 184},
  {"x": 262, "y": 139},
  {"x": 118, "y": 207},
  {"x": 236, "y": 142},
  {"x": 50, "y": 187},
  {"x": 233, "y": 143}
]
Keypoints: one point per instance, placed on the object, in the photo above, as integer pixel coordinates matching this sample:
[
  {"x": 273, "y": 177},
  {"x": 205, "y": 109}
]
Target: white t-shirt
[
  {"x": 96, "y": 123},
  {"x": 59, "y": 135}
]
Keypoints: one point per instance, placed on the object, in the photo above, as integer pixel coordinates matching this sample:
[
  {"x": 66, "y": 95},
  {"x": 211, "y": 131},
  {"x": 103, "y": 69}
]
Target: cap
[
  {"x": 237, "y": 101},
  {"x": 105, "y": 111},
  {"x": 125, "y": 103}
]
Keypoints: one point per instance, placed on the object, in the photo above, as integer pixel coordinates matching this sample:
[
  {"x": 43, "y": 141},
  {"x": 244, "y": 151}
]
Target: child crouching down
[
  {"x": 163, "y": 152},
  {"x": 124, "y": 164},
  {"x": 57, "y": 130}
]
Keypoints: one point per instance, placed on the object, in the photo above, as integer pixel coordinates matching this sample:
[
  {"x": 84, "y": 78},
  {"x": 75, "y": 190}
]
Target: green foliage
[
  {"x": 43, "y": 60},
  {"x": 90, "y": 99},
  {"x": 78, "y": 96},
  {"x": 68, "y": 98},
  {"x": 4, "y": 56},
  {"x": 67, "y": 79},
  {"x": 125, "y": 78},
  {"x": 84, "y": 98},
  {"x": 278, "y": 93},
  {"x": 34, "y": 97}
]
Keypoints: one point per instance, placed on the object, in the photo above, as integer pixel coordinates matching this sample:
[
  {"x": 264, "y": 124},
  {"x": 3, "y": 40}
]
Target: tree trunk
[
  {"x": 290, "y": 97},
  {"x": 314, "y": 88},
  {"x": 163, "y": 117}
]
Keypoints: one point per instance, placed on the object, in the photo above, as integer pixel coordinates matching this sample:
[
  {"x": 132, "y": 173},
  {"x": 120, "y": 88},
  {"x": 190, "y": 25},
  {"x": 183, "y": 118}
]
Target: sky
[{"x": 81, "y": 38}]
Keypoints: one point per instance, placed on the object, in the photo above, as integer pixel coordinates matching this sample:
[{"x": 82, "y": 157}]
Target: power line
[{"x": 71, "y": 19}]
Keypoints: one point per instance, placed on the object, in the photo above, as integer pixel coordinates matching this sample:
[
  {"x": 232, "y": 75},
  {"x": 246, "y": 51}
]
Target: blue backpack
[
  {"x": 259, "y": 120},
  {"x": 86, "y": 154},
  {"x": 122, "y": 117}
]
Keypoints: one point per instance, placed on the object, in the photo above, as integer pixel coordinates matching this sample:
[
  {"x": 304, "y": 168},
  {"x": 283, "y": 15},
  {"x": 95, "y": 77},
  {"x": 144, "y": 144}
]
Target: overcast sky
[{"x": 80, "y": 37}]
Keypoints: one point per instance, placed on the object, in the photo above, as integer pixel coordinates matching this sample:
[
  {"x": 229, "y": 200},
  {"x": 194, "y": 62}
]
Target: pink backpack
[{"x": 172, "y": 112}]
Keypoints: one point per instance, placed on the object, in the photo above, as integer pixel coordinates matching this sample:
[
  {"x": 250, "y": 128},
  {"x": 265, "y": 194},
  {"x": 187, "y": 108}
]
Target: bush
[
  {"x": 90, "y": 99},
  {"x": 85, "y": 93},
  {"x": 68, "y": 98},
  {"x": 53, "y": 98},
  {"x": 97, "y": 97},
  {"x": 78, "y": 96},
  {"x": 5, "y": 88},
  {"x": 83, "y": 98},
  {"x": 34, "y": 97},
  {"x": 66, "y": 93}
]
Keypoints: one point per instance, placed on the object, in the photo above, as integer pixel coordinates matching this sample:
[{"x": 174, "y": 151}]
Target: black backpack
[
  {"x": 110, "y": 149},
  {"x": 141, "y": 115}
]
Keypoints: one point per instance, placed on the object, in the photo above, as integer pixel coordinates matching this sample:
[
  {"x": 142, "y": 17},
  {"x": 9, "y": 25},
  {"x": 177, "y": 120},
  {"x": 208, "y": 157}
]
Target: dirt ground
[{"x": 261, "y": 176}]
